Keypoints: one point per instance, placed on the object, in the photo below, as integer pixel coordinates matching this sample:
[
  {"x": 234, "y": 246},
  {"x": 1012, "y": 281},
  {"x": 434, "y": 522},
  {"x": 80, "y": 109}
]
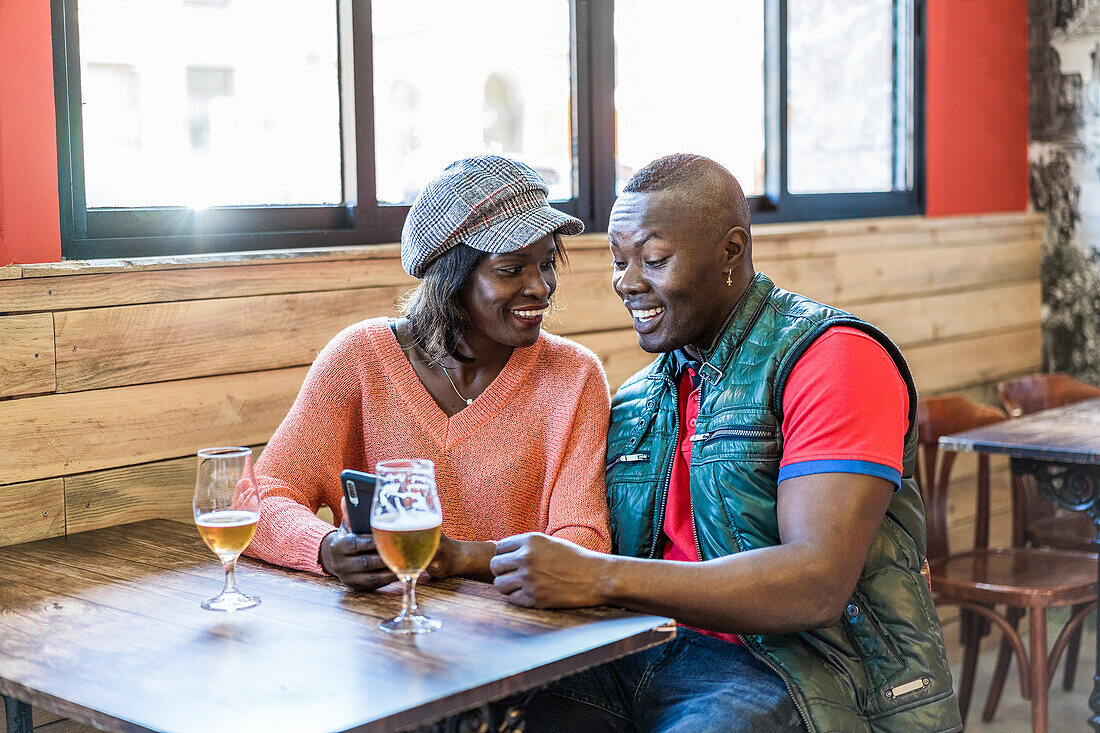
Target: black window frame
[{"x": 167, "y": 231}]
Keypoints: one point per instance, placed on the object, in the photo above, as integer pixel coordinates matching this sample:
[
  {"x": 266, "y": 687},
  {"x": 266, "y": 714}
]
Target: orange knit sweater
[{"x": 527, "y": 455}]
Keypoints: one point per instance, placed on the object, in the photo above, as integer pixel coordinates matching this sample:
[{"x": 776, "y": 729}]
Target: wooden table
[
  {"x": 105, "y": 627},
  {"x": 1060, "y": 449}
]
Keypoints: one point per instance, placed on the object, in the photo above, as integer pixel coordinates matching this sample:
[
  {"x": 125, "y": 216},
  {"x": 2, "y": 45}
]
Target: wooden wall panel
[
  {"x": 954, "y": 314},
  {"x": 162, "y": 489},
  {"x": 31, "y": 511},
  {"x": 158, "y": 490},
  {"x": 587, "y": 253},
  {"x": 946, "y": 365},
  {"x": 107, "y": 347},
  {"x": 586, "y": 302},
  {"x": 63, "y": 434},
  {"x": 619, "y": 352},
  {"x": 26, "y": 354},
  {"x": 163, "y": 286},
  {"x": 883, "y": 275},
  {"x": 801, "y": 240},
  {"x": 814, "y": 277}
]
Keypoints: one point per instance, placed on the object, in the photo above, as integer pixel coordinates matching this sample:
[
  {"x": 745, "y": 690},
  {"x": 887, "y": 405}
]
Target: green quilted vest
[{"x": 882, "y": 667}]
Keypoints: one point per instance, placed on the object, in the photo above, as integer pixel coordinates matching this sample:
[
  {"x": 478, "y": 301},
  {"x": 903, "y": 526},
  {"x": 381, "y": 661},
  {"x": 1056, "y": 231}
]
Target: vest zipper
[
  {"x": 626, "y": 458},
  {"x": 668, "y": 478},
  {"x": 735, "y": 432},
  {"x": 790, "y": 689},
  {"x": 691, "y": 499},
  {"x": 758, "y": 434},
  {"x": 694, "y": 533}
]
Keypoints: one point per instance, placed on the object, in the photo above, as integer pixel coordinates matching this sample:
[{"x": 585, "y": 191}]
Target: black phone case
[{"x": 358, "y": 495}]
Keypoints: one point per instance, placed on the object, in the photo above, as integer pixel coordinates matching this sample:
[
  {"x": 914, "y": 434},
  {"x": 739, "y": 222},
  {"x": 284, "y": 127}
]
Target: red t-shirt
[{"x": 845, "y": 410}]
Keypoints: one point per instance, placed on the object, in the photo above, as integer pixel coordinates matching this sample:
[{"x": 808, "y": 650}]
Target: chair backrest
[
  {"x": 1025, "y": 395},
  {"x": 936, "y": 417}
]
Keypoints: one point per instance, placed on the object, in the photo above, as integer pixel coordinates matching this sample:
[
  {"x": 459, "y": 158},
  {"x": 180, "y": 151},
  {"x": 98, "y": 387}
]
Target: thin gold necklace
[
  {"x": 468, "y": 401},
  {"x": 409, "y": 351}
]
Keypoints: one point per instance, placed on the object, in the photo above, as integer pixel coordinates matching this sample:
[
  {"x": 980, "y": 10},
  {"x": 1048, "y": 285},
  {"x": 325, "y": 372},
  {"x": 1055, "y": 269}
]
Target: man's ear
[{"x": 737, "y": 246}]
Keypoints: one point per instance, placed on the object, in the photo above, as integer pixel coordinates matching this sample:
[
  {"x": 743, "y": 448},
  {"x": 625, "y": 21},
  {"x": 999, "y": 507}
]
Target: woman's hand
[
  {"x": 354, "y": 559},
  {"x": 458, "y": 557}
]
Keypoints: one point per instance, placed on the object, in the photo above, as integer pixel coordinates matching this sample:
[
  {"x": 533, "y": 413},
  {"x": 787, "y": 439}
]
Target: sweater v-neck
[{"x": 449, "y": 430}]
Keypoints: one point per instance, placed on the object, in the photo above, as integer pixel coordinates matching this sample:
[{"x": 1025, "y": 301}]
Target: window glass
[
  {"x": 209, "y": 103},
  {"x": 689, "y": 78},
  {"x": 840, "y": 95},
  {"x": 458, "y": 79}
]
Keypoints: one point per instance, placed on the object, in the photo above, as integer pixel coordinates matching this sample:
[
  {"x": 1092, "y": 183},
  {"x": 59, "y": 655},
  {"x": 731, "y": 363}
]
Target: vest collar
[{"x": 738, "y": 324}]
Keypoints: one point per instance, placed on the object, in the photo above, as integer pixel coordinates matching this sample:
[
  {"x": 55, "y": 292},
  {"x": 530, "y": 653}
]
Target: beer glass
[
  {"x": 405, "y": 519},
  {"x": 227, "y": 507}
]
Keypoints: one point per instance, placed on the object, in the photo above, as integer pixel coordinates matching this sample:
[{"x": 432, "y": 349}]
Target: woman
[{"x": 514, "y": 419}]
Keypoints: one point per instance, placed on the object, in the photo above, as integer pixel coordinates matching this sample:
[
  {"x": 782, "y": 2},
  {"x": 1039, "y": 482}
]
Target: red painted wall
[
  {"x": 976, "y": 107},
  {"x": 30, "y": 227},
  {"x": 976, "y": 121}
]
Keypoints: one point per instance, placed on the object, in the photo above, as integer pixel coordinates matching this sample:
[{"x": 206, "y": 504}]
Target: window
[
  {"x": 209, "y": 125},
  {"x": 660, "y": 109},
  {"x": 509, "y": 96}
]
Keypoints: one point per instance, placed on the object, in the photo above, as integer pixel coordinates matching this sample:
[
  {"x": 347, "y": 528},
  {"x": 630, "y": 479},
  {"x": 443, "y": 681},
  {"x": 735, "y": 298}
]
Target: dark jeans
[{"x": 693, "y": 683}]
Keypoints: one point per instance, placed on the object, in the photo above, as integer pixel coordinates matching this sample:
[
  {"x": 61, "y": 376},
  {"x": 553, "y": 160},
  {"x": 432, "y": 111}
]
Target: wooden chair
[
  {"x": 1025, "y": 580},
  {"x": 1036, "y": 522}
]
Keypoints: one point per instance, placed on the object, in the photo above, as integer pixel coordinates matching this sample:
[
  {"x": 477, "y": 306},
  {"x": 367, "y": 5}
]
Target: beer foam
[
  {"x": 400, "y": 522},
  {"x": 234, "y": 518}
]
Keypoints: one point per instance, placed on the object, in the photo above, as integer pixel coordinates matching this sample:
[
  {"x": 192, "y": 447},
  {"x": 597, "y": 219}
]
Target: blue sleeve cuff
[{"x": 868, "y": 468}]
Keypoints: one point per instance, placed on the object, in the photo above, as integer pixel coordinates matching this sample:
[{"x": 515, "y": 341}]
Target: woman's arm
[
  {"x": 578, "y": 499},
  {"x": 299, "y": 469}
]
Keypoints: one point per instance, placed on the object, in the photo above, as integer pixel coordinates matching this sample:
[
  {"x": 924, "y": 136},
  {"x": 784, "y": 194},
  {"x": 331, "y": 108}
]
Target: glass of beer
[
  {"x": 405, "y": 519},
  {"x": 227, "y": 507}
]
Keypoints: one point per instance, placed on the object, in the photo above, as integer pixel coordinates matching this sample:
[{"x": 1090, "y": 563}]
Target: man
[{"x": 759, "y": 480}]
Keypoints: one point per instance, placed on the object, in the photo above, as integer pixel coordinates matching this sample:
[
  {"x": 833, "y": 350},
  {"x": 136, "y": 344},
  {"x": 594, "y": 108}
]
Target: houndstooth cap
[{"x": 490, "y": 203}]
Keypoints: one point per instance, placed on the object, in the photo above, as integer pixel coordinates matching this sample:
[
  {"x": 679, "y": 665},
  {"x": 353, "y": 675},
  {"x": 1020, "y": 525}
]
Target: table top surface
[
  {"x": 105, "y": 627},
  {"x": 1070, "y": 434}
]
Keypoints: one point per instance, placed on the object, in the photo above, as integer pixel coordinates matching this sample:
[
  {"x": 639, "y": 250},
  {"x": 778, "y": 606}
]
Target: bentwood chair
[
  {"x": 1035, "y": 521},
  {"x": 1024, "y": 580}
]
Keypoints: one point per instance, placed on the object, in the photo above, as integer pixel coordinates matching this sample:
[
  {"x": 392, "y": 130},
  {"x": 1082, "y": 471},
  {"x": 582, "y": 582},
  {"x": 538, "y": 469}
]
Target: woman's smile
[{"x": 531, "y": 317}]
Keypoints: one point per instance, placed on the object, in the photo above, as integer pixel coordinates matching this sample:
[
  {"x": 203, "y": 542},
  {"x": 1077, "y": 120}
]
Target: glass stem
[
  {"x": 408, "y": 598},
  {"x": 230, "y": 577}
]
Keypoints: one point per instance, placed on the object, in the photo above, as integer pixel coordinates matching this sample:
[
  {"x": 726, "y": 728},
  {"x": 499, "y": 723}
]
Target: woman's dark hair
[{"x": 434, "y": 309}]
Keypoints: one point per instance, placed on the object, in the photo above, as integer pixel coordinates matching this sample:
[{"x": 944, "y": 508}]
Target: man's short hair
[{"x": 693, "y": 174}]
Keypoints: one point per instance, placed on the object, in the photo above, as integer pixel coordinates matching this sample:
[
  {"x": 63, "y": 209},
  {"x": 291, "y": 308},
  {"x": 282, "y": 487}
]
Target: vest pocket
[
  {"x": 736, "y": 442},
  {"x": 642, "y": 457},
  {"x": 880, "y": 657},
  {"x": 735, "y": 432}
]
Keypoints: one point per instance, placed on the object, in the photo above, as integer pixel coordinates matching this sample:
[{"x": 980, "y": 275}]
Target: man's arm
[{"x": 826, "y": 522}]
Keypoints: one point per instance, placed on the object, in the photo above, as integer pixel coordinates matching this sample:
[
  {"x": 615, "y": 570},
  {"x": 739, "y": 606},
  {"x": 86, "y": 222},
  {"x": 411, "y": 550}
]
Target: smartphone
[{"x": 358, "y": 495}]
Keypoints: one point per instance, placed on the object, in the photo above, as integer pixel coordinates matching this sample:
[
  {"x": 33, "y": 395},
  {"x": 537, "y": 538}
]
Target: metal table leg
[
  {"x": 1073, "y": 486},
  {"x": 17, "y": 715}
]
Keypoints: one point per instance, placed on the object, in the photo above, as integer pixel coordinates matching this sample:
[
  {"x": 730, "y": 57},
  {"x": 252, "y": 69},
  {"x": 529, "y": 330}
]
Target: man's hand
[
  {"x": 826, "y": 523},
  {"x": 538, "y": 571},
  {"x": 354, "y": 559}
]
